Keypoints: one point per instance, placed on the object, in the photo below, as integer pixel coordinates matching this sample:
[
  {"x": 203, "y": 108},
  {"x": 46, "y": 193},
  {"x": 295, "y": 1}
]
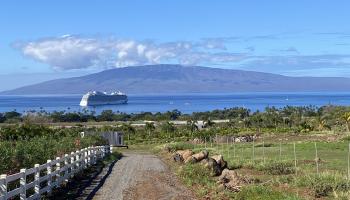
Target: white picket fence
[{"x": 52, "y": 174}]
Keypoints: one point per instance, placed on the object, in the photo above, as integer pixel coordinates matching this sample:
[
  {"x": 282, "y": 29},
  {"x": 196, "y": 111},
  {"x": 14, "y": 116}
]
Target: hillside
[{"x": 181, "y": 79}]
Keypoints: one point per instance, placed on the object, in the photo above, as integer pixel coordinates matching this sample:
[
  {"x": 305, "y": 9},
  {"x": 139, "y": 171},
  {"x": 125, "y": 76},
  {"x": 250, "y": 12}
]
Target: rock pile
[{"x": 228, "y": 179}]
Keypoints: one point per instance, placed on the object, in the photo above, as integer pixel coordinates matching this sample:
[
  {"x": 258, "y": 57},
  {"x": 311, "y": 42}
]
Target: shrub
[
  {"x": 324, "y": 183},
  {"x": 179, "y": 146},
  {"x": 277, "y": 168}
]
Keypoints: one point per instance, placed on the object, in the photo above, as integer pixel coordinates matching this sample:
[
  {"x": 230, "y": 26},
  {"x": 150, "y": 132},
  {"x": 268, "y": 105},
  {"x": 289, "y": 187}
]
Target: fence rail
[{"x": 32, "y": 183}]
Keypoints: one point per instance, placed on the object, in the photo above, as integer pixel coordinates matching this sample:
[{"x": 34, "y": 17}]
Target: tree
[
  {"x": 127, "y": 128},
  {"x": 106, "y": 115},
  {"x": 149, "y": 127},
  {"x": 168, "y": 128},
  {"x": 346, "y": 118},
  {"x": 192, "y": 126},
  {"x": 208, "y": 123}
]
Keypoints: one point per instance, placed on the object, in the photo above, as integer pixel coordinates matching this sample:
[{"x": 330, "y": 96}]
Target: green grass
[{"x": 259, "y": 192}]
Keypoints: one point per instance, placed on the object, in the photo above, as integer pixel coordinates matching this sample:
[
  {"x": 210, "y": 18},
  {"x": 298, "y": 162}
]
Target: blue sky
[{"x": 42, "y": 40}]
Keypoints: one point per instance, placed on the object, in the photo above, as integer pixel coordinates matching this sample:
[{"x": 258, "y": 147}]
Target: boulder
[
  {"x": 191, "y": 160},
  {"x": 232, "y": 181},
  {"x": 182, "y": 155},
  {"x": 220, "y": 161},
  {"x": 201, "y": 155},
  {"x": 212, "y": 165}
]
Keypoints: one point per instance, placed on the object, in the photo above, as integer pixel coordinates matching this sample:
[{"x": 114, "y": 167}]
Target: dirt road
[{"x": 141, "y": 176}]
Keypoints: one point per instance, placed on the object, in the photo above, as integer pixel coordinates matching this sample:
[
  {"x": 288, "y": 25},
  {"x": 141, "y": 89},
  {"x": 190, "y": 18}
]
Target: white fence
[{"x": 32, "y": 183}]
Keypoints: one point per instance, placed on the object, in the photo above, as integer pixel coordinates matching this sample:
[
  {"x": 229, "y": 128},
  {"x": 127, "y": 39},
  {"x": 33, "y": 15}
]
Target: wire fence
[{"x": 311, "y": 157}]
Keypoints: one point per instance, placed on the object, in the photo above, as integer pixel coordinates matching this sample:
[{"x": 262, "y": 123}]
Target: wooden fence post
[
  {"x": 263, "y": 146},
  {"x": 280, "y": 150},
  {"x": 253, "y": 156},
  {"x": 49, "y": 178},
  {"x": 37, "y": 181},
  {"x": 348, "y": 163},
  {"x": 23, "y": 182},
  {"x": 295, "y": 159},
  {"x": 316, "y": 158},
  {"x": 3, "y": 187}
]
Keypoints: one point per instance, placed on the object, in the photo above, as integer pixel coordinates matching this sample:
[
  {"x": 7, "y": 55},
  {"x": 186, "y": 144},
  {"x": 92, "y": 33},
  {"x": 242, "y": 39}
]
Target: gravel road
[{"x": 141, "y": 176}]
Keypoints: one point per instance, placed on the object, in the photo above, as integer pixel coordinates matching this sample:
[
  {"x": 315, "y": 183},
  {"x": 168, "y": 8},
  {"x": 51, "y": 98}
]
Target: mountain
[{"x": 183, "y": 79}]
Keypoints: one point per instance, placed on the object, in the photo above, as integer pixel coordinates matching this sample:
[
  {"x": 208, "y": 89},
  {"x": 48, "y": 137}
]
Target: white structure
[
  {"x": 57, "y": 171},
  {"x": 95, "y": 98}
]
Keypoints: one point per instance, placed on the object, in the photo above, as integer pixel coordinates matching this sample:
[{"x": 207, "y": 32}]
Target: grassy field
[{"x": 279, "y": 173}]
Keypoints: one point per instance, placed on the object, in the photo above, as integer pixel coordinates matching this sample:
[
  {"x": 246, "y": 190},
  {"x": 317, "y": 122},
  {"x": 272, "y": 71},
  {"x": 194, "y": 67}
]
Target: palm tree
[{"x": 149, "y": 127}]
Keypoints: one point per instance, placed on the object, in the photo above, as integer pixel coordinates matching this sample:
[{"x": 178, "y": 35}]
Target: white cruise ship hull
[{"x": 88, "y": 100}]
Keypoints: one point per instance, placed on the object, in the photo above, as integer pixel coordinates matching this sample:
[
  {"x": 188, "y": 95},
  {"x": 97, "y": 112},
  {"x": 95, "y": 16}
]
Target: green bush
[
  {"x": 277, "y": 168},
  {"x": 324, "y": 183}
]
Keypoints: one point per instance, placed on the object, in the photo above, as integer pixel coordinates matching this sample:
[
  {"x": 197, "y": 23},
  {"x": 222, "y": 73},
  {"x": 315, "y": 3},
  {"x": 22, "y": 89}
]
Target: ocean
[{"x": 186, "y": 103}]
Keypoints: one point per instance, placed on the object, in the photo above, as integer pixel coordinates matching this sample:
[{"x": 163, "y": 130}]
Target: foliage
[
  {"x": 25, "y": 145},
  {"x": 259, "y": 192},
  {"x": 324, "y": 184},
  {"x": 277, "y": 168}
]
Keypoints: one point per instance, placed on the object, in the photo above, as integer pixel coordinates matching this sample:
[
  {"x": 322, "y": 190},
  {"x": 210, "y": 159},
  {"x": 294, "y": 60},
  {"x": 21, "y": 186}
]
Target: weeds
[{"x": 324, "y": 184}]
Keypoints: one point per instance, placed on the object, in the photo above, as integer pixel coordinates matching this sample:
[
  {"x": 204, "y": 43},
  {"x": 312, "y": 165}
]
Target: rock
[
  {"x": 191, "y": 160},
  {"x": 232, "y": 181},
  {"x": 182, "y": 155},
  {"x": 220, "y": 161},
  {"x": 212, "y": 165},
  {"x": 201, "y": 155},
  {"x": 186, "y": 154},
  {"x": 177, "y": 157}
]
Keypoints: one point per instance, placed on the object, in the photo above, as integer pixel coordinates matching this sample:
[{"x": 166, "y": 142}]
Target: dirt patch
[
  {"x": 142, "y": 176},
  {"x": 157, "y": 185}
]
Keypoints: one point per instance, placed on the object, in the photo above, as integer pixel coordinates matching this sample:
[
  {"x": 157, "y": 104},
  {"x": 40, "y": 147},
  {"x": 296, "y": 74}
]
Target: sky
[{"x": 44, "y": 40}]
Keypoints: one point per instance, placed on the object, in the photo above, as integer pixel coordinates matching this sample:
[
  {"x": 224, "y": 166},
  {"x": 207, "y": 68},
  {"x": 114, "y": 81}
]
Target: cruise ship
[{"x": 94, "y": 98}]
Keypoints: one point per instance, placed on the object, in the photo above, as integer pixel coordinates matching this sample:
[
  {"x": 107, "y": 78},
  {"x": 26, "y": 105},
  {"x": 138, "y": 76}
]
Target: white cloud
[{"x": 74, "y": 52}]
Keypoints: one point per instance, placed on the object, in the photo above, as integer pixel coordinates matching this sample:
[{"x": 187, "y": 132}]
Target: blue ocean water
[{"x": 186, "y": 103}]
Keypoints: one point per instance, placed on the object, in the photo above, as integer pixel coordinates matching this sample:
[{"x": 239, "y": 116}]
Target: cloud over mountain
[{"x": 76, "y": 52}]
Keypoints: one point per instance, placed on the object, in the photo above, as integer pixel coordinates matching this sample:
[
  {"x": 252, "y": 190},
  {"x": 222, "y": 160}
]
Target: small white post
[
  {"x": 58, "y": 169},
  {"x": 66, "y": 163},
  {"x": 72, "y": 170},
  {"x": 37, "y": 181},
  {"x": 49, "y": 180},
  {"x": 22, "y": 182},
  {"x": 111, "y": 148},
  {"x": 77, "y": 159},
  {"x": 86, "y": 160},
  {"x": 89, "y": 156},
  {"x": 3, "y": 187}
]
